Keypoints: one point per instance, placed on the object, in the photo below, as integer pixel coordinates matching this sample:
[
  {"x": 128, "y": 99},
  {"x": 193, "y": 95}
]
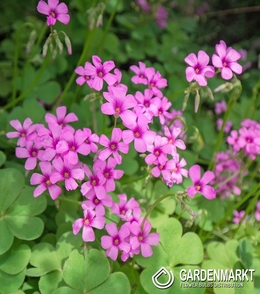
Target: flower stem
[
  {"x": 156, "y": 203},
  {"x": 235, "y": 94}
]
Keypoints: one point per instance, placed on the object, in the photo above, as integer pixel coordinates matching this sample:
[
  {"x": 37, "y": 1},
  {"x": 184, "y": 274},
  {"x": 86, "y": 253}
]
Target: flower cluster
[{"x": 225, "y": 60}]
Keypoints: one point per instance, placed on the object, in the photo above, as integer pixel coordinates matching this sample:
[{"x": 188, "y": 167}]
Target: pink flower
[
  {"x": 49, "y": 138},
  {"x": 178, "y": 171},
  {"x": 113, "y": 146},
  {"x": 199, "y": 69},
  {"x": 90, "y": 140},
  {"x": 71, "y": 145},
  {"x": 32, "y": 152},
  {"x": 155, "y": 81},
  {"x": 118, "y": 105},
  {"x": 66, "y": 172},
  {"x": 98, "y": 204},
  {"x": 161, "y": 16},
  {"x": 44, "y": 181},
  {"x": 143, "y": 239},
  {"x": 238, "y": 215},
  {"x": 140, "y": 72},
  {"x": 124, "y": 207},
  {"x": 116, "y": 240},
  {"x": 159, "y": 151},
  {"x": 226, "y": 60},
  {"x": 91, "y": 220},
  {"x": 236, "y": 141},
  {"x": 220, "y": 107},
  {"x": 162, "y": 106},
  {"x": 172, "y": 136},
  {"x": 54, "y": 11},
  {"x": 140, "y": 134},
  {"x": 146, "y": 102},
  {"x": 227, "y": 126},
  {"x": 95, "y": 185},
  {"x": 109, "y": 173},
  {"x": 257, "y": 212},
  {"x": 62, "y": 119},
  {"x": 200, "y": 184},
  {"x": 83, "y": 76},
  {"x": 118, "y": 75},
  {"x": 98, "y": 72},
  {"x": 25, "y": 132}
]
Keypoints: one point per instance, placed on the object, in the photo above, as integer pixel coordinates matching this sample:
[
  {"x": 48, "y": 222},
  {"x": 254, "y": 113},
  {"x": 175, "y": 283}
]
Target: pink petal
[
  {"x": 36, "y": 179},
  {"x": 226, "y": 73},
  {"x": 236, "y": 68},
  {"x": 97, "y": 83},
  {"x": 56, "y": 177},
  {"x": 70, "y": 184},
  {"x": 207, "y": 177},
  {"x": 190, "y": 73},
  {"x": 104, "y": 154},
  {"x": 111, "y": 228},
  {"x": 77, "y": 174},
  {"x": 77, "y": 225},
  {"x": 39, "y": 190},
  {"x": 21, "y": 152},
  {"x": 43, "y": 7},
  {"x": 106, "y": 242},
  {"x": 191, "y": 191},
  {"x": 194, "y": 173},
  {"x": 88, "y": 234},
  {"x": 62, "y": 8},
  {"x": 146, "y": 250},
  {"x": 54, "y": 191},
  {"x": 208, "y": 192},
  {"x": 191, "y": 59},
  {"x": 30, "y": 163},
  {"x": 217, "y": 62},
  {"x": 140, "y": 145}
]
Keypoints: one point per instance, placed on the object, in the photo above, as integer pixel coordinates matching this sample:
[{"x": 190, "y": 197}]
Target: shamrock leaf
[
  {"x": 18, "y": 209},
  {"x": 175, "y": 252}
]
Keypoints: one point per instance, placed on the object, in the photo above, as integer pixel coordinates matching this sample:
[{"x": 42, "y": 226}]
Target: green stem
[
  {"x": 16, "y": 57},
  {"x": 232, "y": 100},
  {"x": 70, "y": 200},
  {"x": 249, "y": 208},
  {"x": 30, "y": 88},
  {"x": 231, "y": 209},
  {"x": 108, "y": 25},
  {"x": 156, "y": 203}
]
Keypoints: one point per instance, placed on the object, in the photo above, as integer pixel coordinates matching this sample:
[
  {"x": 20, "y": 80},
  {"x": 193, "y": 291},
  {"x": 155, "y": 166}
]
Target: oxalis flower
[
  {"x": 200, "y": 184},
  {"x": 226, "y": 60},
  {"x": 198, "y": 68},
  {"x": 54, "y": 11}
]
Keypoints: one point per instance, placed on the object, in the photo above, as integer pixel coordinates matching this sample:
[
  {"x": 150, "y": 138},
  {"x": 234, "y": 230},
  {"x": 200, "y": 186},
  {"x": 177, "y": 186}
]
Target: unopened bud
[
  {"x": 185, "y": 101},
  {"x": 68, "y": 44},
  {"x": 54, "y": 53},
  {"x": 197, "y": 102}
]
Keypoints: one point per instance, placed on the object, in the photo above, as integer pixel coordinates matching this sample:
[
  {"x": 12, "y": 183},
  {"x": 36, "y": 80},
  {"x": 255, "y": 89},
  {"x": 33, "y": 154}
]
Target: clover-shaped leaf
[
  {"x": 15, "y": 260},
  {"x": 223, "y": 256},
  {"x": 18, "y": 208},
  {"x": 174, "y": 253},
  {"x": 11, "y": 283},
  {"x": 44, "y": 259},
  {"x": 90, "y": 274}
]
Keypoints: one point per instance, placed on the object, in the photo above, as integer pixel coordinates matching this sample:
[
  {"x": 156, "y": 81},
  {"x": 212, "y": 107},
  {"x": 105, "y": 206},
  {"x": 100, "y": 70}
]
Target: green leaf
[
  {"x": 49, "y": 91},
  {"x": 117, "y": 283},
  {"x": 25, "y": 227},
  {"x": 15, "y": 260},
  {"x": 84, "y": 274},
  {"x": 66, "y": 290},
  {"x": 26, "y": 204},
  {"x": 44, "y": 259},
  {"x": 2, "y": 158},
  {"x": 7, "y": 239},
  {"x": 49, "y": 282},
  {"x": 10, "y": 283},
  {"x": 11, "y": 184}
]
